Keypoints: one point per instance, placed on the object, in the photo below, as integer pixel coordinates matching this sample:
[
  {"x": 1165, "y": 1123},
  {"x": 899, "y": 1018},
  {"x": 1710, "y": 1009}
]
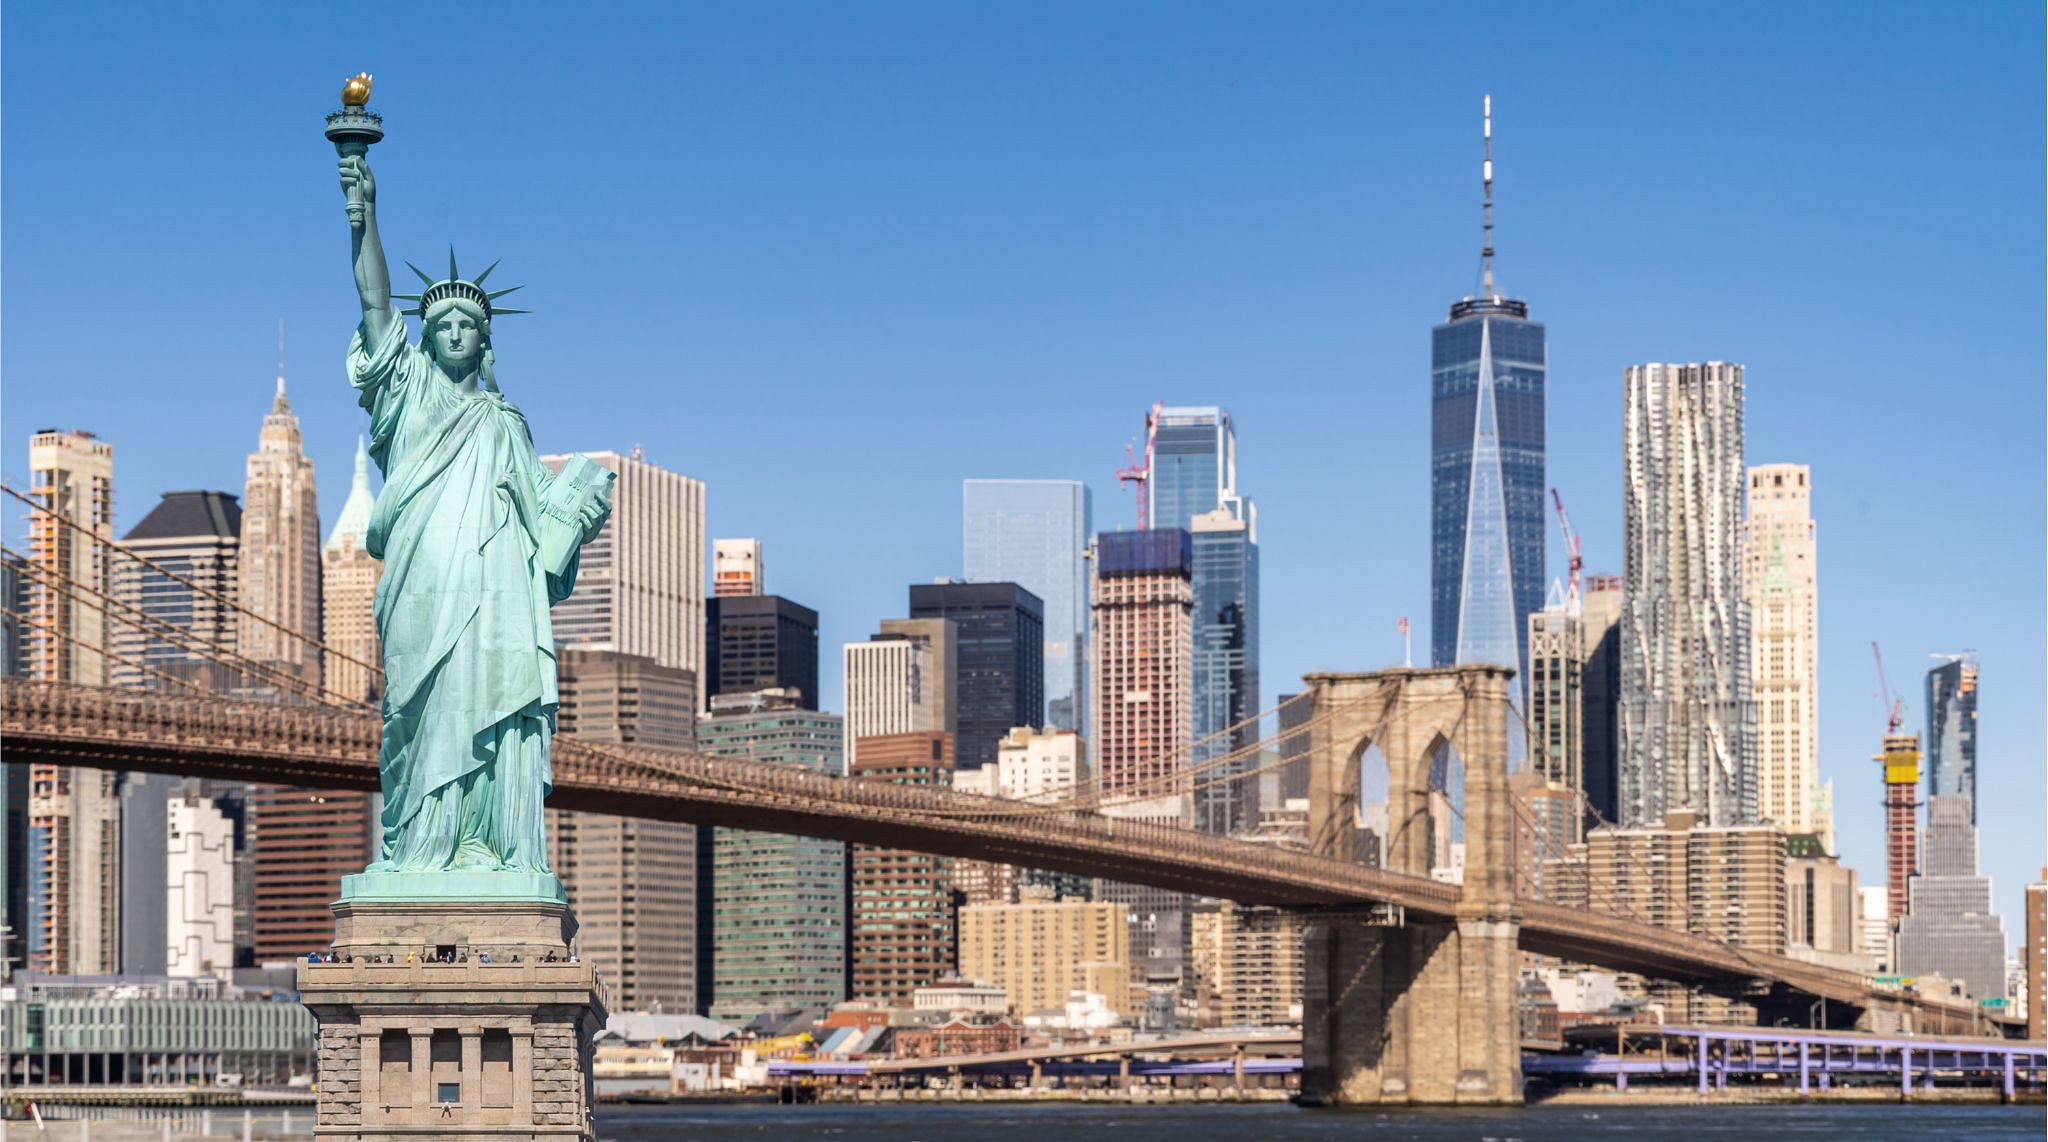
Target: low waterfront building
[
  {"x": 955, "y": 1037},
  {"x": 154, "y": 1030}
]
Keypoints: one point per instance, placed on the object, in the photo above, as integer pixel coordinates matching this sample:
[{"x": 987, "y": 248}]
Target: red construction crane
[
  {"x": 1571, "y": 545},
  {"x": 1896, "y": 714},
  {"x": 1142, "y": 475}
]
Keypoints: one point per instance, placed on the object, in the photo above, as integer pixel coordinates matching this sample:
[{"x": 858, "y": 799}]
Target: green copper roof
[{"x": 355, "y": 511}]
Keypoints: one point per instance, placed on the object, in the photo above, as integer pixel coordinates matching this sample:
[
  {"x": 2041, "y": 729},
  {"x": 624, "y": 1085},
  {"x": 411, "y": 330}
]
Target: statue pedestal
[{"x": 461, "y": 1051}]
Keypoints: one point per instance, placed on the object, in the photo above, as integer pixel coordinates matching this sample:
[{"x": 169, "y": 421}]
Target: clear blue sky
[{"x": 832, "y": 259}]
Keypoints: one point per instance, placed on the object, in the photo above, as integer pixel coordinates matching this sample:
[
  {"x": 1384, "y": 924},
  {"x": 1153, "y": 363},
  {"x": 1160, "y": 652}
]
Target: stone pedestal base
[
  {"x": 461, "y": 1051},
  {"x": 1422, "y": 1014}
]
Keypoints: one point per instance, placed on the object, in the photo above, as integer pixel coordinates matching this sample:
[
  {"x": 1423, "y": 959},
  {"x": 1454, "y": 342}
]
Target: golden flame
[{"x": 356, "y": 91}]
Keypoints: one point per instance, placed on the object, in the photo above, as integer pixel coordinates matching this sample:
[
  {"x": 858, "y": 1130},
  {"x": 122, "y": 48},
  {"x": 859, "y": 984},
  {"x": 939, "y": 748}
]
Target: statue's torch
[{"x": 352, "y": 129}]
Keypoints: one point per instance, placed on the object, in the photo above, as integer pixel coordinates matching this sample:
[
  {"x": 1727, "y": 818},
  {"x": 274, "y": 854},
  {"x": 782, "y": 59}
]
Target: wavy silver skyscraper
[
  {"x": 1688, "y": 728},
  {"x": 1486, "y": 480}
]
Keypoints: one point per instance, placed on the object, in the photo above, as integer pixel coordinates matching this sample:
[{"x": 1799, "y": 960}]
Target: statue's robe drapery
[{"x": 462, "y": 609}]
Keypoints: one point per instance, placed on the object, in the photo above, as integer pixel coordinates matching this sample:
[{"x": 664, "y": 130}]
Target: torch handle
[{"x": 353, "y": 148}]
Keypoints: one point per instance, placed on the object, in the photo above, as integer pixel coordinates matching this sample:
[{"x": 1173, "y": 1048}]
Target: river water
[{"x": 1064, "y": 1122}]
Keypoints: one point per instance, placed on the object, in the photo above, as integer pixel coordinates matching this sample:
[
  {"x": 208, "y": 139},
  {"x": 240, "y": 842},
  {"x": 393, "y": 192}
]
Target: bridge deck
[{"x": 328, "y": 748}]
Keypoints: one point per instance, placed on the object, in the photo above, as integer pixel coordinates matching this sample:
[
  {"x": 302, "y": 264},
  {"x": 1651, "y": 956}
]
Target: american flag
[{"x": 1402, "y": 626}]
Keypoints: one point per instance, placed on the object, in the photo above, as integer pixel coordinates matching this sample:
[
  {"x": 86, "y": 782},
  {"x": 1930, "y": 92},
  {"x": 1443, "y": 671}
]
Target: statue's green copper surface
[{"x": 478, "y": 540}]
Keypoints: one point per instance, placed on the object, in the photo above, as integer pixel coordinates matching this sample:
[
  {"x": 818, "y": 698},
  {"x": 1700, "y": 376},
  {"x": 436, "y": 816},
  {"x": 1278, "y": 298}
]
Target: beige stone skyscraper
[
  {"x": 640, "y": 584},
  {"x": 74, "y": 914},
  {"x": 1778, "y": 579},
  {"x": 280, "y": 556},
  {"x": 348, "y": 588}
]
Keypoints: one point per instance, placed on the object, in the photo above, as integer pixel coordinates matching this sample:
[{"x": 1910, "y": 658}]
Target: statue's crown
[{"x": 455, "y": 287}]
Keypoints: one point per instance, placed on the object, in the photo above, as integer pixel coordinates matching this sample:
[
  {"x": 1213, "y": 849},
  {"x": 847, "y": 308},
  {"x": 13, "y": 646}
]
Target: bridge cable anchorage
[
  {"x": 163, "y": 631},
  {"x": 122, "y": 550}
]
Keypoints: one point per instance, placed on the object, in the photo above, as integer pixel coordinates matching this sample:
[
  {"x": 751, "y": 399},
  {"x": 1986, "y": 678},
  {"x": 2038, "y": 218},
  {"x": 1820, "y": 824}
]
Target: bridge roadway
[{"x": 324, "y": 747}]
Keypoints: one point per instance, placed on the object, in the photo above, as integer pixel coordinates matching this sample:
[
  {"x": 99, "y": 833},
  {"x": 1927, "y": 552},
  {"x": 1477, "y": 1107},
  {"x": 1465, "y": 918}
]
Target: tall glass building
[
  {"x": 1486, "y": 482},
  {"x": 1952, "y": 730},
  {"x": 1193, "y": 485},
  {"x": 1035, "y": 533}
]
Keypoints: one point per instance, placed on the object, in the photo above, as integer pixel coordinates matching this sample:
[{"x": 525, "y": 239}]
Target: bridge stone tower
[{"x": 1414, "y": 1012}]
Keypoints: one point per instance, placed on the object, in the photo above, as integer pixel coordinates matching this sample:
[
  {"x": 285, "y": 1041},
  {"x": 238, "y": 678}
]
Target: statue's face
[{"x": 457, "y": 340}]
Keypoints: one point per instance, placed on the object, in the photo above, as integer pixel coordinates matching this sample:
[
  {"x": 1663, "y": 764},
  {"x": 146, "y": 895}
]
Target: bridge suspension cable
[{"x": 122, "y": 550}]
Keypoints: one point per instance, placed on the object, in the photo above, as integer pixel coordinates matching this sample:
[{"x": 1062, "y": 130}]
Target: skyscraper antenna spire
[
  {"x": 1486, "y": 178},
  {"x": 280, "y": 358}
]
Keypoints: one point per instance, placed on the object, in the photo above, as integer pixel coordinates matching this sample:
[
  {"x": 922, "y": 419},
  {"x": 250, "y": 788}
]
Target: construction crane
[
  {"x": 1141, "y": 475},
  {"x": 1571, "y": 546},
  {"x": 1895, "y": 714}
]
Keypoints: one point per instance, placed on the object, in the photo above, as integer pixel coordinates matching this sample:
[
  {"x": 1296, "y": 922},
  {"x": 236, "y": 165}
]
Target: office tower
[
  {"x": 1572, "y": 668},
  {"x": 301, "y": 843},
  {"x": 1823, "y": 909},
  {"x": 1224, "y": 665},
  {"x": 1035, "y": 533},
  {"x": 1600, "y": 698},
  {"x": 887, "y": 691},
  {"x": 1901, "y": 762},
  {"x": 1725, "y": 883},
  {"x": 1142, "y": 599},
  {"x": 145, "y": 800},
  {"x": 279, "y": 576},
  {"x": 167, "y": 634},
  {"x": 1949, "y": 928},
  {"x": 633, "y": 884},
  {"x": 760, "y": 642},
  {"x": 2036, "y": 956},
  {"x": 1192, "y": 484},
  {"x": 1486, "y": 481},
  {"x": 941, "y": 640},
  {"x": 780, "y": 911},
  {"x": 1040, "y": 951},
  {"x": 198, "y": 887},
  {"x": 1952, "y": 729},
  {"x": 999, "y": 679},
  {"x": 903, "y": 910},
  {"x": 1778, "y": 583},
  {"x": 1249, "y": 961},
  {"x": 348, "y": 593},
  {"x": 1874, "y": 926},
  {"x": 14, "y": 580},
  {"x": 736, "y": 568},
  {"x": 1556, "y": 706},
  {"x": 1687, "y": 720},
  {"x": 1549, "y": 821},
  {"x": 74, "y": 840},
  {"x": 70, "y": 555},
  {"x": 640, "y": 583}
]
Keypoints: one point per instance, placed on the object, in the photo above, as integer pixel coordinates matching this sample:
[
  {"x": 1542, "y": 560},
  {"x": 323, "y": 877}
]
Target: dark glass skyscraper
[
  {"x": 999, "y": 674},
  {"x": 1486, "y": 475},
  {"x": 760, "y": 642},
  {"x": 1952, "y": 730}
]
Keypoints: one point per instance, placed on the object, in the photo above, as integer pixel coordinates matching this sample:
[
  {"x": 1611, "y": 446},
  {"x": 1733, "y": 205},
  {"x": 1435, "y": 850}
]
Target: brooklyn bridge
[{"x": 1408, "y": 982}]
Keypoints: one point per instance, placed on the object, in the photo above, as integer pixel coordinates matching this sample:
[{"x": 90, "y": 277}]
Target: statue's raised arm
[{"x": 373, "y": 278}]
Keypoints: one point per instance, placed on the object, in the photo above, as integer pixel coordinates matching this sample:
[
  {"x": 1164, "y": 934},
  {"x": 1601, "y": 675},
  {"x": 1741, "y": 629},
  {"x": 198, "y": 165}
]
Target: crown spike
[
  {"x": 498, "y": 293},
  {"x": 453, "y": 273},
  {"x": 479, "y": 279},
  {"x": 496, "y": 312},
  {"x": 422, "y": 273}
]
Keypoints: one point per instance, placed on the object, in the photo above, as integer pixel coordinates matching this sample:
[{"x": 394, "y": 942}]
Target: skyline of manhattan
[{"x": 1013, "y": 308}]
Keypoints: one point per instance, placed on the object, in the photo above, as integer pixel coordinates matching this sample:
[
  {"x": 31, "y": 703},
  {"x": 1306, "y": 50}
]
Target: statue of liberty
[{"x": 478, "y": 540}]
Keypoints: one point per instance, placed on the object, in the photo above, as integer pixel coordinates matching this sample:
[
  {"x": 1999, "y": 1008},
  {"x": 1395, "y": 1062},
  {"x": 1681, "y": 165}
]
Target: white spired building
[
  {"x": 1778, "y": 580},
  {"x": 279, "y": 577},
  {"x": 348, "y": 589}
]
